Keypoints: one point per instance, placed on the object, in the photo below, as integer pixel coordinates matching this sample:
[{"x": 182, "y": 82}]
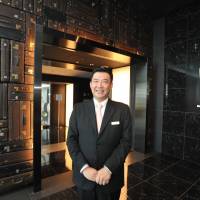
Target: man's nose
[{"x": 100, "y": 84}]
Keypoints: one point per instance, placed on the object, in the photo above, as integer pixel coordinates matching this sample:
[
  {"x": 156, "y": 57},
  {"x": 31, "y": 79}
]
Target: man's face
[{"x": 100, "y": 85}]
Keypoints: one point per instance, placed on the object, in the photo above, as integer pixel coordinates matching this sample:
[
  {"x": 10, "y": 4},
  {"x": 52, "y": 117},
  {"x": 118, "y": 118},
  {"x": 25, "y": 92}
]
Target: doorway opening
[{"x": 53, "y": 134}]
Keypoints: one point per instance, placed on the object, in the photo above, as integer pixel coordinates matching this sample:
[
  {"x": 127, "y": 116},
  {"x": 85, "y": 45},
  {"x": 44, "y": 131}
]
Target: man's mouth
[{"x": 99, "y": 91}]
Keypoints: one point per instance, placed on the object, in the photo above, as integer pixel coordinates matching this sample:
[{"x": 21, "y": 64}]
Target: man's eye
[{"x": 105, "y": 81}]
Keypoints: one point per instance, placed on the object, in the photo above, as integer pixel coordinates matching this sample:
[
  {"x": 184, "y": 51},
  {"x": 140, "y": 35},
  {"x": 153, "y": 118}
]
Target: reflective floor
[
  {"x": 161, "y": 177},
  {"x": 148, "y": 177},
  {"x": 157, "y": 177}
]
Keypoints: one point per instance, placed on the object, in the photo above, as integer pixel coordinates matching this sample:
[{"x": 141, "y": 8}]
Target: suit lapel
[
  {"x": 92, "y": 115},
  {"x": 107, "y": 115}
]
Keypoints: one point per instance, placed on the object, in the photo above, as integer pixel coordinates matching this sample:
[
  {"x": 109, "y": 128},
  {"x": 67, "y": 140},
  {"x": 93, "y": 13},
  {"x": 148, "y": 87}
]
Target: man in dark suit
[{"x": 99, "y": 139}]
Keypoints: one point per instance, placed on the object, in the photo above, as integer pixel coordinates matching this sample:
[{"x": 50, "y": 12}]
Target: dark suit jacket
[{"x": 110, "y": 147}]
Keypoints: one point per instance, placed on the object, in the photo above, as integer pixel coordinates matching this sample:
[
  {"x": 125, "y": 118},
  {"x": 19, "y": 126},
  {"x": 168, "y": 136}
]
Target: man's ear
[
  {"x": 111, "y": 85},
  {"x": 90, "y": 84}
]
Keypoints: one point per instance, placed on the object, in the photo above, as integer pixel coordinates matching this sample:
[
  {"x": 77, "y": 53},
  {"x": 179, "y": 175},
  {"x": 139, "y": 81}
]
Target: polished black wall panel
[
  {"x": 174, "y": 99},
  {"x": 175, "y": 55},
  {"x": 192, "y": 125},
  {"x": 181, "y": 115},
  {"x": 194, "y": 25},
  {"x": 173, "y": 145},
  {"x": 192, "y": 150},
  {"x": 173, "y": 122},
  {"x": 175, "y": 79},
  {"x": 193, "y": 53},
  {"x": 176, "y": 29},
  {"x": 193, "y": 93}
]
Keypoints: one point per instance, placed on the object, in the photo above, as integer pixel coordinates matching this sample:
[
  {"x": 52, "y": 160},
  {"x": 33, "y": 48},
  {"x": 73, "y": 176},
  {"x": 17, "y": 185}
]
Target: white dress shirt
[{"x": 103, "y": 104}]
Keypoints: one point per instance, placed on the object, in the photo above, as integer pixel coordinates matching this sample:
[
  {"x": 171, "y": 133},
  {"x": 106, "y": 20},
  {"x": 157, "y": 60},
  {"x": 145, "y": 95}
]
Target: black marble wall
[{"x": 181, "y": 115}]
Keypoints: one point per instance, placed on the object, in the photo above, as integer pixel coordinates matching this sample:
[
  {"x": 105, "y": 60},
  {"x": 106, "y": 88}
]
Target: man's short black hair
[{"x": 105, "y": 69}]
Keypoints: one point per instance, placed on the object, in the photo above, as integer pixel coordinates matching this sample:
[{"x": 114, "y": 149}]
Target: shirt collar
[{"x": 103, "y": 103}]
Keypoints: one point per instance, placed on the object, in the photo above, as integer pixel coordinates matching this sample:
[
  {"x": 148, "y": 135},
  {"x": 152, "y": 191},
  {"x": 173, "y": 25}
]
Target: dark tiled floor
[
  {"x": 169, "y": 183},
  {"x": 193, "y": 193},
  {"x": 146, "y": 191},
  {"x": 173, "y": 179},
  {"x": 70, "y": 194},
  {"x": 155, "y": 178},
  {"x": 142, "y": 171}
]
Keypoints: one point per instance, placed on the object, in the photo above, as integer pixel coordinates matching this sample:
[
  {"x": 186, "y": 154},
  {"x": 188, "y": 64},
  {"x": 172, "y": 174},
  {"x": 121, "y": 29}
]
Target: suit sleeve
[
  {"x": 119, "y": 154},
  {"x": 73, "y": 141}
]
